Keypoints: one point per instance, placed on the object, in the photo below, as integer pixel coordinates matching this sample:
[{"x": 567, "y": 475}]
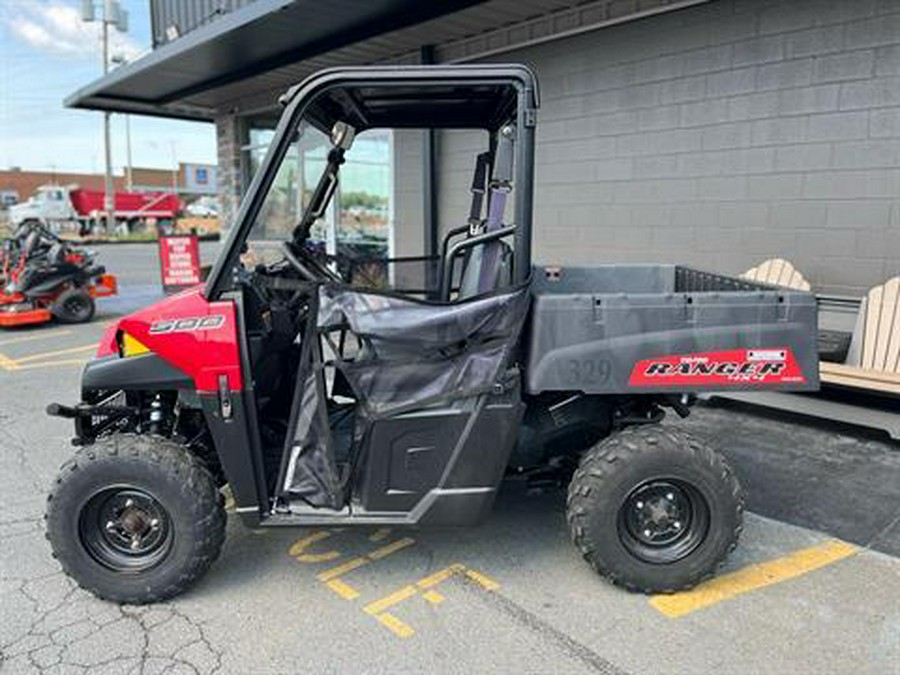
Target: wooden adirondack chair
[
  {"x": 778, "y": 272},
  {"x": 873, "y": 362}
]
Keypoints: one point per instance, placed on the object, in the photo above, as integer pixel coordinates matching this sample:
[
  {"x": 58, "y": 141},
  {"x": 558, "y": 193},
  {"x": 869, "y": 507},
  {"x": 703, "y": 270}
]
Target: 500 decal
[
  {"x": 188, "y": 324},
  {"x": 739, "y": 366}
]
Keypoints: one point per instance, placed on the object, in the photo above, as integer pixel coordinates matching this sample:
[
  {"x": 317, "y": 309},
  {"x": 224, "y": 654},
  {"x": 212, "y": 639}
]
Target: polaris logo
[{"x": 189, "y": 324}]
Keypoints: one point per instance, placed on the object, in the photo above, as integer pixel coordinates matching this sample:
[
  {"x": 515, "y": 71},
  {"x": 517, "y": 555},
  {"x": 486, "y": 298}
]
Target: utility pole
[
  {"x": 129, "y": 181},
  {"x": 108, "y": 188},
  {"x": 111, "y": 14},
  {"x": 174, "y": 168}
]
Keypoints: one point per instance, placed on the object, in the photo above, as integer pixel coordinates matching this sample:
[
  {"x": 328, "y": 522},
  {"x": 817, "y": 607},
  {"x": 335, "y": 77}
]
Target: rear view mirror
[{"x": 342, "y": 135}]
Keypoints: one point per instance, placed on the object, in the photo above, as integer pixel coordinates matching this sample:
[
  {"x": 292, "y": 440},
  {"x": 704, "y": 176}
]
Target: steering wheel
[{"x": 308, "y": 267}]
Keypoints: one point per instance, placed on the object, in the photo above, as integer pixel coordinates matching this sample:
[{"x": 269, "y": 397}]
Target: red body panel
[
  {"x": 733, "y": 367},
  {"x": 197, "y": 336},
  {"x": 108, "y": 344},
  {"x": 11, "y": 299},
  {"x": 86, "y": 202}
]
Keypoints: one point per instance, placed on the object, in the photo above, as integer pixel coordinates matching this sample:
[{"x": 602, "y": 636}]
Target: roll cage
[{"x": 483, "y": 97}]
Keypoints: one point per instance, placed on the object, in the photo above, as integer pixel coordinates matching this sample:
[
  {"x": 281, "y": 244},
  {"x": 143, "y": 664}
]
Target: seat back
[
  {"x": 57, "y": 253},
  {"x": 778, "y": 272},
  {"x": 480, "y": 278},
  {"x": 31, "y": 242},
  {"x": 489, "y": 265},
  {"x": 875, "y": 344}
]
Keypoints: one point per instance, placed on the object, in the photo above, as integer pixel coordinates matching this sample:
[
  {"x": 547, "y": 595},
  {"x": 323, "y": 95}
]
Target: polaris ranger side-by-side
[{"x": 325, "y": 403}]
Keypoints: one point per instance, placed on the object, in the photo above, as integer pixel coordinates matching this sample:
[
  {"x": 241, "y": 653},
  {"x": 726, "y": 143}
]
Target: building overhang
[
  {"x": 242, "y": 61},
  {"x": 255, "y": 39}
]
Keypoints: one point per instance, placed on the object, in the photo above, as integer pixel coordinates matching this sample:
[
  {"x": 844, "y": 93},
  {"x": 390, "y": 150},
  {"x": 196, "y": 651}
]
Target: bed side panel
[{"x": 673, "y": 341}]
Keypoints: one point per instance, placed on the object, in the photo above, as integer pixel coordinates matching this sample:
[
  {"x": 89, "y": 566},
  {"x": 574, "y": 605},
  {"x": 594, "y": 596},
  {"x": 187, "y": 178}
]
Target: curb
[{"x": 215, "y": 236}]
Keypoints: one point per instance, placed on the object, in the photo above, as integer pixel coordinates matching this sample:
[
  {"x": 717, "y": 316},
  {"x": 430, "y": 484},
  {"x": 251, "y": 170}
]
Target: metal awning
[
  {"x": 243, "y": 60},
  {"x": 257, "y": 38}
]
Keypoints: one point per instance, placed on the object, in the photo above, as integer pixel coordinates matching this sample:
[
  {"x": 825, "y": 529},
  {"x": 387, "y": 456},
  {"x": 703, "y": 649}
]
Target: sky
[{"x": 46, "y": 53}]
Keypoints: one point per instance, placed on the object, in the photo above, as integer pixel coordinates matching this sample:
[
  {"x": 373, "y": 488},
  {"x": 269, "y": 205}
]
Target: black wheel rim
[
  {"x": 663, "y": 521},
  {"x": 125, "y": 529},
  {"x": 75, "y": 305}
]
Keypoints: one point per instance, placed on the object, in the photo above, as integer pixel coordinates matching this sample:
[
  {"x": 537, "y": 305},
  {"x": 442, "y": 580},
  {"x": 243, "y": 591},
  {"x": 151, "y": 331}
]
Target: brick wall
[
  {"x": 24, "y": 183},
  {"x": 719, "y": 136},
  {"x": 229, "y": 176}
]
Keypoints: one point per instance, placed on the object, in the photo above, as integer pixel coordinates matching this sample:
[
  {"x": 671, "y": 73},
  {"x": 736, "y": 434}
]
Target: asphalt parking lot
[{"x": 813, "y": 587}]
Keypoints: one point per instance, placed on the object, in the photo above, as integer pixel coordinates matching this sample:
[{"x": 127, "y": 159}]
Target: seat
[
  {"x": 489, "y": 265},
  {"x": 778, "y": 272}
]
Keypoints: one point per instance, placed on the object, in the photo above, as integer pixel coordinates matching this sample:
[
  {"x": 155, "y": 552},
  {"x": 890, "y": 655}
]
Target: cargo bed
[{"x": 626, "y": 328}]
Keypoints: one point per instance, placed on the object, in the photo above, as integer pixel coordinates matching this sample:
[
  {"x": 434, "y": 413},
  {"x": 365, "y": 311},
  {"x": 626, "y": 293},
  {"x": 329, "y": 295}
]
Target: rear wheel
[
  {"x": 654, "y": 510},
  {"x": 135, "y": 519},
  {"x": 74, "y": 305}
]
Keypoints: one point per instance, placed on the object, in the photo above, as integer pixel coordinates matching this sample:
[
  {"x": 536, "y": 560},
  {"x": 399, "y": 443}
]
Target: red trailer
[
  {"x": 56, "y": 206},
  {"x": 127, "y": 205}
]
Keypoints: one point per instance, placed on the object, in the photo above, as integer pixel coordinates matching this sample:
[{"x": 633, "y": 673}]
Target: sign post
[{"x": 179, "y": 262}]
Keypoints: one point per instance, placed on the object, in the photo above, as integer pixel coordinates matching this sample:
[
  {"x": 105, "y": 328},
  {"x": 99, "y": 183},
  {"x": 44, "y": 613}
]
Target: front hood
[{"x": 195, "y": 335}]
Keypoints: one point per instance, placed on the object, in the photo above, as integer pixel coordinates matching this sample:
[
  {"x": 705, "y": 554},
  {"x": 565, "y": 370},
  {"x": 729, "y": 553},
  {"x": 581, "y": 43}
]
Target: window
[
  {"x": 365, "y": 196},
  {"x": 291, "y": 190},
  {"x": 358, "y": 222}
]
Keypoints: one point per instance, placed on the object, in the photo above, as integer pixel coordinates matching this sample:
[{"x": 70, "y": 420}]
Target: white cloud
[{"x": 56, "y": 29}]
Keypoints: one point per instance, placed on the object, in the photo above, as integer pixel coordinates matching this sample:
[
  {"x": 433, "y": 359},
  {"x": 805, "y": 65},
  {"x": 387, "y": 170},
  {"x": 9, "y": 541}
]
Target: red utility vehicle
[{"x": 322, "y": 403}]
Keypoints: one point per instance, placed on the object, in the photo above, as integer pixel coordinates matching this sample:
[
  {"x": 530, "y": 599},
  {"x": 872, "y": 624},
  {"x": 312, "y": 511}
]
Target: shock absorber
[{"x": 157, "y": 416}]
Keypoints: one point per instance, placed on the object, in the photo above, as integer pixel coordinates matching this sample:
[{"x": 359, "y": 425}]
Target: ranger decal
[{"x": 733, "y": 367}]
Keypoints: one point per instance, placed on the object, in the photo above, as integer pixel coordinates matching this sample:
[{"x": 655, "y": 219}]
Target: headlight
[{"x": 131, "y": 346}]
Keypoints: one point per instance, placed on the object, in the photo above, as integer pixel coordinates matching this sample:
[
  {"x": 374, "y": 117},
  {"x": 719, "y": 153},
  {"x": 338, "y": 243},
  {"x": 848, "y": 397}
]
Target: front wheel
[
  {"x": 135, "y": 519},
  {"x": 654, "y": 510}
]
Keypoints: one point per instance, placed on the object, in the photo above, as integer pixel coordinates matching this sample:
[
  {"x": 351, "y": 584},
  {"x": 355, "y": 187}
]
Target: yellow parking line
[
  {"x": 48, "y": 364},
  {"x": 298, "y": 550},
  {"x": 343, "y": 568},
  {"x": 377, "y": 554},
  {"x": 440, "y": 576},
  {"x": 384, "y": 603},
  {"x": 7, "y": 363},
  {"x": 425, "y": 587},
  {"x": 751, "y": 578},
  {"x": 433, "y": 597},
  {"x": 35, "y": 336},
  {"x": 484, "y": 581},
  {"x": 398, "y": 627},
  {"x": 393, "y": 547},
  {"x": 58, "y": 352},
  {"x": 346, "y": 591}
]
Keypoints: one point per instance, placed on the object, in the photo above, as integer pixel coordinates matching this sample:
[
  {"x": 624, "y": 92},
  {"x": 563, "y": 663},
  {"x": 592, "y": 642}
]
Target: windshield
[
  {"x": 357, "y": 212},
  {"x": 292, "y": 188}
]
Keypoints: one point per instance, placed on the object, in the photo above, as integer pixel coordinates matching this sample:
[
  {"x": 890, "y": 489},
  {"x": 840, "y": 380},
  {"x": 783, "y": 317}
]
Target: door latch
[{"x": 225, "y": 404}]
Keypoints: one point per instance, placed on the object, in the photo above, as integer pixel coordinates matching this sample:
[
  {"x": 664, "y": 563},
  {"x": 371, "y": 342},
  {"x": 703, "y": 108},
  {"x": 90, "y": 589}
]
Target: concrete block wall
[
  {"x": 230, "y": 180},
  {"x": 719, "y": 136},
  {"x": 409, "y": 205}
]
